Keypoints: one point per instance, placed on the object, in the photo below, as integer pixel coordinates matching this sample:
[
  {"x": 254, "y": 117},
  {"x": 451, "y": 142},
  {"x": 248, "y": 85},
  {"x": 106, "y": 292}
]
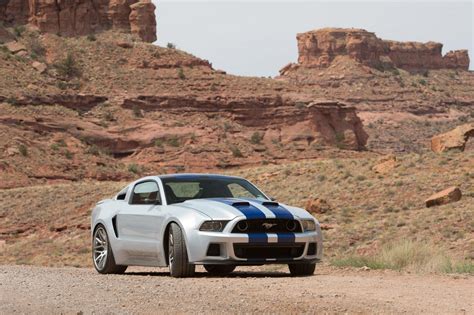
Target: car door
[{"x": 139, "y": 223}]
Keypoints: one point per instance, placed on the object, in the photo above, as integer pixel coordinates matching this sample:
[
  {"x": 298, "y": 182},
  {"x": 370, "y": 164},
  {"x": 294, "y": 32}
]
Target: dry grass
[
  {"x": 408, "y": 256},
  {"x": 371, "y": 213}
]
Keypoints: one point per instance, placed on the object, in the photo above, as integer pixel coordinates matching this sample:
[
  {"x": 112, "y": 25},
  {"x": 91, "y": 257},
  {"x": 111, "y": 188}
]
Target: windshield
[{"x": 182, "y": 189}]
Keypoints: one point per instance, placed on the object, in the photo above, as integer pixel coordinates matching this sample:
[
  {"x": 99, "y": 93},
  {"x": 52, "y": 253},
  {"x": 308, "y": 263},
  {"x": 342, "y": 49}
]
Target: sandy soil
[{"x": 25, "y": 289}]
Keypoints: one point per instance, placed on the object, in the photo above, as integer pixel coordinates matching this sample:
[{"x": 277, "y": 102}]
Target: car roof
[{"x": 191, "y": 176}]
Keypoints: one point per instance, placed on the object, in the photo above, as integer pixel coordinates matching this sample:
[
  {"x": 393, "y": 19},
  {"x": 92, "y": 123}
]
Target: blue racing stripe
[
  {"x": 255, "y": 238},
  {"x": 251, "y": 213},
  {"x": 286, "y": 237}
]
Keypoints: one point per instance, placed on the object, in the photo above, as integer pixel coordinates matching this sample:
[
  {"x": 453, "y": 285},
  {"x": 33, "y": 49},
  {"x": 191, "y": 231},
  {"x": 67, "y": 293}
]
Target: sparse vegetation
[
  {"x": 91, "y": 37},
  {"x": 133, "y": 168},
  {"x": 36, "y": 48},
  {"x": 236, "y": 151},
  {"x": 256, "y": 138},
  {"x": 409, "y": 256},
  {"x": 171, "y": 46},
  {"x": 181, "y": 74},
  {"x": 173, "y": 141},
  {"x": 137, "y": 112},
  {"x": 68, "y": 67},
  {"x": 23, "y": 150},
  {"x": 19, "y": 30}
]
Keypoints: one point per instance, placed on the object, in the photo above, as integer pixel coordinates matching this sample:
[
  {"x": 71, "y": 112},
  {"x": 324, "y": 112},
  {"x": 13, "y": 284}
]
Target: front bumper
[{"x": 237, "y": 249}]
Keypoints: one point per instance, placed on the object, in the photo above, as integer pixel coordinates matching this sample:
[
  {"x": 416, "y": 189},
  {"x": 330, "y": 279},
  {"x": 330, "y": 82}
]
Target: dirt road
[{"x": 25, "y": 289}]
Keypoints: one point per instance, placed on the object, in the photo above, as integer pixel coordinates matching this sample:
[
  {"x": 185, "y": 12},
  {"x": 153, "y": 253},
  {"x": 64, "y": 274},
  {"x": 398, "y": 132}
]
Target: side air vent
[{"x": 114, "y": 225}]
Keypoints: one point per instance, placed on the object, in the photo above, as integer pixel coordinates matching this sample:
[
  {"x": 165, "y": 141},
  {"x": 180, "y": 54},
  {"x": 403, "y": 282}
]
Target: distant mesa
[
  {"x": 82, "y": 17},
  {"x": 319, "y": 48}
]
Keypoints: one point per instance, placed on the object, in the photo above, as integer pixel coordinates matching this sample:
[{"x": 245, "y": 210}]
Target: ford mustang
[{"x": 184, "y": 220}]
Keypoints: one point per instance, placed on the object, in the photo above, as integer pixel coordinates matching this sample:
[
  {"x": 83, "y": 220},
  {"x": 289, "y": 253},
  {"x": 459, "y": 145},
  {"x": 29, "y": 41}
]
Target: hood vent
[
  {"x": 270, "y": 203},
  {"x": 241, "y": 204}
]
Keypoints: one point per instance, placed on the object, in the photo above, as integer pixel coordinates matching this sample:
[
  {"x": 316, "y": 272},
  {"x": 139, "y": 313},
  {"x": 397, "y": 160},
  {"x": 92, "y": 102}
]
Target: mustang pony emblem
[{"x": 268, "y": 226}]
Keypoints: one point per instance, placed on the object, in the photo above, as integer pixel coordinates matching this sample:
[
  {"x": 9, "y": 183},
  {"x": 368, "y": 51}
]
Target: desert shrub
[
  {"x": 68, "y": 154},
  {"x": 68, "y": 67},
  {"x": 173, "y": 141},
  {"x": 171, "y": 46},
  {"x": 133, "y": 168},
  {"x": 23, "y": 150},
  {"x": 256, "y": 138},
  {"x": 137, "y": 112},
  {"x": 91, "y": 37},
  {"x": 159, "y": 143},
  {"x": 36, "y": 48},
  {"x": 422, "y": 82},
  {"x": 181, "y": 74},
  {"x": 236, "y": 151},
  {"x": 19, "y": 30}
]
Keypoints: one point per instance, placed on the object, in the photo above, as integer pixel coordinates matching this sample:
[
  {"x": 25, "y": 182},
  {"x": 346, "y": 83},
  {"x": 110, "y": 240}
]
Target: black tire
[
  {"x": 219, "y": 270},
  {"x": 178, "y": 256},
  {"x": 110, "y": 267},
  {"x": 298, "y": 270}
]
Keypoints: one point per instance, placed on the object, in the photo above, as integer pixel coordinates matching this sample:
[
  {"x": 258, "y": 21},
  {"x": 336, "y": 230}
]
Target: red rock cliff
[
  {"x": 319, "y": 47},
  {"x": 82, "y": 17}
]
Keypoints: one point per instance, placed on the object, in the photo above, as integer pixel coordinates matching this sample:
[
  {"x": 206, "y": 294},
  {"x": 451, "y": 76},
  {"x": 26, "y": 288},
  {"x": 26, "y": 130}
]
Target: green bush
[
  {"x": 171, "y": 46},
  {"x": 236, "y": 151},
  {"x": 173, "y": 141},
  {"x": 23, "y": 150},
  {"x": 256, "y": 138},
  {"x": 133, "y": 168},
  {"x": 19, "y": 30},
  {"x": 91, "y": 37},
  {"x": 36, "y": 47},
  {"x": 181, "y": 74},
  {"x": 68, "y": 67}
]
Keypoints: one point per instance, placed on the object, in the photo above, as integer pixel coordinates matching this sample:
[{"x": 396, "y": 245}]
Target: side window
[
  {"x": 121, "y": 196},
  {"x": 146, "y": 193},
  {"x": 239, "y": 191}
]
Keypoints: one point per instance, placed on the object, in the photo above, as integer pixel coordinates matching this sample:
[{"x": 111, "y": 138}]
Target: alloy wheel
[{"x": 100, "y": 248}]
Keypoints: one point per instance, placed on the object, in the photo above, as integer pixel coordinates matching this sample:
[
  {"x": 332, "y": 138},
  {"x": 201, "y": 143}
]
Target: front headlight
[
  {"x": 213, "y": 226},
  {"x": 308, "y": 225}
]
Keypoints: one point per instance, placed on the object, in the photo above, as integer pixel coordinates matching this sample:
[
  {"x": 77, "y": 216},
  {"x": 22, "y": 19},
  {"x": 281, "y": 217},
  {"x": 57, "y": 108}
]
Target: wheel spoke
[{"x": 100, "y": 248}]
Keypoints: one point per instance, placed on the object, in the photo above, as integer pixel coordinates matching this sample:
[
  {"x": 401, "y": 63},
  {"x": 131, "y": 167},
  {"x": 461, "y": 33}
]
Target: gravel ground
[{"x": 269, "y": 289}]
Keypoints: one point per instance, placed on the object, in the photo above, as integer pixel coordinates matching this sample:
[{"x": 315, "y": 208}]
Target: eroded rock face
[
  {"x": 82, "y": 17},
  {"x": 319, "y": 48},
  {"x": 455, "y": 139}
]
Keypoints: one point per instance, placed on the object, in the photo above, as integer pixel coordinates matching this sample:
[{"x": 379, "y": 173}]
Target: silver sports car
[{"x": 185, "y": 220}]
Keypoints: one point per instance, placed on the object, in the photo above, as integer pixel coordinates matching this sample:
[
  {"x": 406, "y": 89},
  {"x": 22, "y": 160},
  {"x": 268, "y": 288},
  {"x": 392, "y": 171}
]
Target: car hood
[{"x": 230, "y": 208}]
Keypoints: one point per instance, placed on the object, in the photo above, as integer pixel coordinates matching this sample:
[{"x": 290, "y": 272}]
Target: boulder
[
  {"x": 15, "y": 47},
  {"x": 446, "y": 196},
  {"x": 385, "y": 164},
  {"x": 455, "y": 139},
  {"x": 39, "y": 66},
  {"x": 317, "y": 205}
]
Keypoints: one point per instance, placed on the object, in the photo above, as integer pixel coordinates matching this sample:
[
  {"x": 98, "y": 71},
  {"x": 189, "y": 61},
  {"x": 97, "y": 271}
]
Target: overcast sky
[{"x": 258, "y": 38}]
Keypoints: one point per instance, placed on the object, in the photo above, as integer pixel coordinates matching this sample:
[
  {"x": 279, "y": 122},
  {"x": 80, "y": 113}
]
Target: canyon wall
[
  {"x": 318, "y": 48},
  {"x": 82, "y": 17}
]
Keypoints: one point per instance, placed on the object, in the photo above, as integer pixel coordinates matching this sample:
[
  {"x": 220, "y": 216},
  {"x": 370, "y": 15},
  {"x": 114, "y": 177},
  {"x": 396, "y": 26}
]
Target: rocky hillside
[{"x": 109, "y": 106}]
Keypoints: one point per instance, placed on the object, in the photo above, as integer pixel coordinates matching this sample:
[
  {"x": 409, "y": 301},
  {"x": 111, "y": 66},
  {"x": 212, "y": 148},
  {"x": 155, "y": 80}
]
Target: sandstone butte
[
  {"x": 74, "y": 18},
  {"x": 319, "y": 48}
]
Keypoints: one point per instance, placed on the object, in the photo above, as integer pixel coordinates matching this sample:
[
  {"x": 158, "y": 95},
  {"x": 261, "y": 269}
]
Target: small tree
[
  {"x": 256, "y": 138},
  {"x": 68, "y": 67}
]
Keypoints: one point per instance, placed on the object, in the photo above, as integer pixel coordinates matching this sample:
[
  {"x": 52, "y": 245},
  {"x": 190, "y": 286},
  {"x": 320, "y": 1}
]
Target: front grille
[
  {"x": 267, "y": 226},
  {"x": 282, "y": 251}
]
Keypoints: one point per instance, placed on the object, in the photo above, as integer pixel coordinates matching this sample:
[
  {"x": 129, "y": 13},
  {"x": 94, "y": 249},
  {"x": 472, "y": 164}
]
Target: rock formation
[
  {"x": 446, "y": 196},
  {"x": 455, "y": 139},
  {"x": 82, "y": 17},
  {"x": 319, "y": 48}
]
